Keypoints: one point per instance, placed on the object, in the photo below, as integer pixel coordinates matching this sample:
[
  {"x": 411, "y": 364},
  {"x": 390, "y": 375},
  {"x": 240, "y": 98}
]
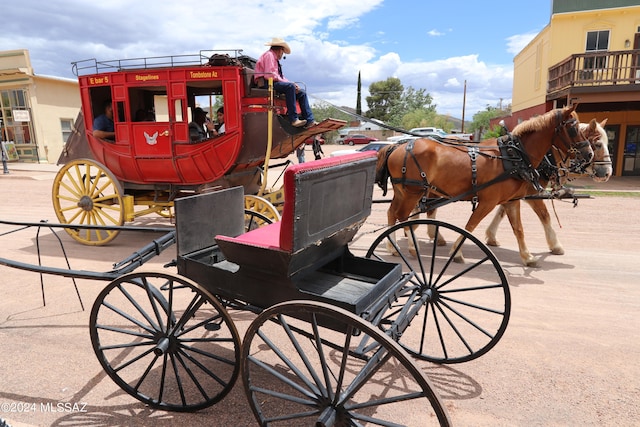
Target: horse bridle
[
  {"x": 599, "y": 162},
  {"x": 572, "y": 148}
]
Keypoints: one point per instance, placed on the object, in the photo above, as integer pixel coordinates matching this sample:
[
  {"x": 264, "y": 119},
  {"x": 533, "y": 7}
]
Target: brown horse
[
  {"x": 454, "y": 171},
  {"x": 600, "y": 170}
]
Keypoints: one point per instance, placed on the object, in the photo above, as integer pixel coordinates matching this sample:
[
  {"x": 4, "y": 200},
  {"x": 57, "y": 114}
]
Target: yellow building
[
  {"x": 37, "y": 113},
  {"x": 588, "y": 54}
]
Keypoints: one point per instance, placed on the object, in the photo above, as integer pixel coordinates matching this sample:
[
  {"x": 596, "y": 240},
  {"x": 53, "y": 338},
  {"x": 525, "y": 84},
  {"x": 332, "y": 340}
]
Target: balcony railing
[{"x": 596, "y": 69}]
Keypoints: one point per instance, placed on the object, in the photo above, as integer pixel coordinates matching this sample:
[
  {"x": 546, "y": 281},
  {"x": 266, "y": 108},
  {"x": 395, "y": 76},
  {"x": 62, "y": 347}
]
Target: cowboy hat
[{"x": 276, "y": 41}]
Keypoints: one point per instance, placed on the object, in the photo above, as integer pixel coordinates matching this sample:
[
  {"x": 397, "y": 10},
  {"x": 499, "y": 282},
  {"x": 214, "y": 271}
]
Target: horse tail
[{"x": 382, "y": 170}]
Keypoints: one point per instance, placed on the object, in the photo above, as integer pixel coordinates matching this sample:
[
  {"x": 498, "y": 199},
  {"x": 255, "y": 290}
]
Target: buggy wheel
[
  {"x": 304, "y": 363},
  {"x": 85, "y": 192},
  {"x": 166, "y": 212},
  {"x": 276, "y": 198},
  {"x": 253, "y": 220},
  {"x": 457, "y": 312},
  {"x": 165, "y": 340},
  {"x": 262, "y": 206}
]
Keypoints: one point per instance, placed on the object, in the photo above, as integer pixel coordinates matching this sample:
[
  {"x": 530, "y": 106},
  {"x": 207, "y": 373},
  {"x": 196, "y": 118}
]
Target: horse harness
[{"x": 516, "y": 164}]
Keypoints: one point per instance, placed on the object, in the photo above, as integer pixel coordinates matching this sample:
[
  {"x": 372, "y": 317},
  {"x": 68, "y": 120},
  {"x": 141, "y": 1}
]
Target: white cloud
[
  {"x": 71, "y": 30},
  {"x": 516, "y": 43},
  {"x": 444, "y": 80},
  {"x": 452, "y": 82}
]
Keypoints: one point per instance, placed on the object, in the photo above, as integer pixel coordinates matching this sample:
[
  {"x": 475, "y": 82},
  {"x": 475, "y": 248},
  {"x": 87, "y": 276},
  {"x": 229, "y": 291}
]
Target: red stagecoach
[{"x": 152, "y": 159}]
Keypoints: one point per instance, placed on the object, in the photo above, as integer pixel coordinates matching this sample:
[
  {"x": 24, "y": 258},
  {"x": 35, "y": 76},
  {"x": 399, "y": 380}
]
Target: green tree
[
  {"x": 482, "y": 118},
  {"x": 384, "y": 98},
  {"x": 494, "y": 132},
  {"x": 418, "y": 118},
  {"x": 323, "y": 110},
  {"x": 417, "y": 100},
  {"x": 391, "y": 103},
  {"x": 415, "y": 107}
]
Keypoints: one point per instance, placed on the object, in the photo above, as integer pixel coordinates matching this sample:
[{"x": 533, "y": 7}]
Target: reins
[
  {"x": 516, "y": 163},
  {"x": 474, "y": 151}
]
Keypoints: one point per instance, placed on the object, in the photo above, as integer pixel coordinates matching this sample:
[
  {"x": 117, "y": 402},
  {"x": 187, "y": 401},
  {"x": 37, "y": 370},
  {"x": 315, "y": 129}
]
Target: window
[
  {"x": 597, "y": 41},
  {"x": 149, "y": 103},
  {"x": 67, "y": 129},
  {"x": 15, "y": 116}
]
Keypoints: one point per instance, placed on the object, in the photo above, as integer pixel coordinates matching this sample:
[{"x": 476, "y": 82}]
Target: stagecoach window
[
  {"x": 206, "y": 94},
  {"x": 161, "y": 107},
  {"x": 99, "y": 95},
  {"x": 149, "y": 103}
]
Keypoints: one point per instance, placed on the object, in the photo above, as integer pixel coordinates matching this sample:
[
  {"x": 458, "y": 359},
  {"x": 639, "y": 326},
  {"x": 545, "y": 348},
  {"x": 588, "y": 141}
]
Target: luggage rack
[{"x": 93, "y": 66}]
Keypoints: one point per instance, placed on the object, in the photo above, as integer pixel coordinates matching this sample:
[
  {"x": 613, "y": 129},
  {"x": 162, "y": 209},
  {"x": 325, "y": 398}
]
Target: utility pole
[
  {"x": 464, "y": 101},
  {"x": 359, "y": 97}
]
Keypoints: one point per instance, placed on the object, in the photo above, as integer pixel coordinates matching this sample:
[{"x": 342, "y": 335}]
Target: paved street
[{"x": 568, "y": 358}]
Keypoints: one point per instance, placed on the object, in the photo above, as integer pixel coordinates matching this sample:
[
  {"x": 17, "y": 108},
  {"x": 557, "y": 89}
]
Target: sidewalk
[
  {"x": 615, "y": 183},
  {"x": 36, "y": 171}
]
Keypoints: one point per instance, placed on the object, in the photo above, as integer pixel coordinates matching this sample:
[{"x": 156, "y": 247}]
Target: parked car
[
  {"x": 439, "y": 133},
  {"x": 372, "y": 146},
  {"x": 309, "y": 140},
  {"x": 358, "y": 139},
  {"x": 428, "y": 131},
  {"x": 403, "y": 139}
]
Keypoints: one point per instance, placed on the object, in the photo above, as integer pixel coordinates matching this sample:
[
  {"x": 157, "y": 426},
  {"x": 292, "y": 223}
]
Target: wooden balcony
[{"x": 598, "y": 72}]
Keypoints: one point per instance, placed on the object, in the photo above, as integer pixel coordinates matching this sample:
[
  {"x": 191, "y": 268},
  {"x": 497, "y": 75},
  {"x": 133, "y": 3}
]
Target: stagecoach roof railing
[{"x": 93, "y": 66}]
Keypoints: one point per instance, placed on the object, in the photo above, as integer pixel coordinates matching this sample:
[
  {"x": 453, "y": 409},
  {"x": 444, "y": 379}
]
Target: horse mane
[
  {"x": 382, "y": 171},
  {"x": 537, "y": 123}
]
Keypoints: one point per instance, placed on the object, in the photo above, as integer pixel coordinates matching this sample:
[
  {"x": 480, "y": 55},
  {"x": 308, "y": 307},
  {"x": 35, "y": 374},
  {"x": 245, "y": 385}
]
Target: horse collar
[{"x": 516, "y": 162}]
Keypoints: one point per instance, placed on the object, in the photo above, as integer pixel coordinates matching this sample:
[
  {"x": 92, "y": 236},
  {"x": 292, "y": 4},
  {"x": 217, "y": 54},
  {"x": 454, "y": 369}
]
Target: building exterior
[
  {"x": 37, "y": 113},
  {"x": 588, "y": 54}
]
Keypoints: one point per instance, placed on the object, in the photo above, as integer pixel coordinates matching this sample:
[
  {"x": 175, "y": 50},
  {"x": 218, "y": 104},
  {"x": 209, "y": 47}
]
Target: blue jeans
[{"x": 289, "y": 91}]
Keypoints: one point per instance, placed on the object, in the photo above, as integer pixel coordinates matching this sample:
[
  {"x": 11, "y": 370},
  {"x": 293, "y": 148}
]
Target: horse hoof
[
  {"x": 557, "y": 251},
  {"x": 459, "y": 259},
  {"x": 392, "y": 250},
  {"x": 442, "y": 243},
  {"x": 492, "y": 242},
  {"x": 530, "y": 262}
]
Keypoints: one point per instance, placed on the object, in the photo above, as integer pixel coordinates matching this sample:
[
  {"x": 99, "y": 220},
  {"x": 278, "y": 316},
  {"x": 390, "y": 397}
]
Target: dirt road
[{"x": 569, "y": 356}]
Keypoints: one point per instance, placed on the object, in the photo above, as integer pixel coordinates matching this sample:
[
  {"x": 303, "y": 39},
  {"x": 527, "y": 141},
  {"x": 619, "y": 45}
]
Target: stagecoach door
[{"x": 151, "y": 118}]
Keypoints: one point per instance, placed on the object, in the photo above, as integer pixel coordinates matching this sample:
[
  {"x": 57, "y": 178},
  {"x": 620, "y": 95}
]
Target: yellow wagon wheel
[
  {"x": 261, "y": 206},
  {"x": 166, "y": 212},
  {"x": 85, "y": 192}
]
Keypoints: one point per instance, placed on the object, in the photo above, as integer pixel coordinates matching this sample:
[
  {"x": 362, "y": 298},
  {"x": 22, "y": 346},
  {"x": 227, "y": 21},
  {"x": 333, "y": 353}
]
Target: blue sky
[
  {"x": 427, "y": 30},
  {"x": 428, "y": 45}
]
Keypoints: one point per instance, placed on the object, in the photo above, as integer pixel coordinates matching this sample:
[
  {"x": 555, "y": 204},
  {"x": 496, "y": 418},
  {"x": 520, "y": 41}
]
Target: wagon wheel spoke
[
  {"x": 303, "y": 365},
  {"x": 165, "y": 340},
  {"x": 253, "y": 220},
  {"x": 258, "y": 211},
  {"x": 86, "y": 193},
  {"x": 458, "y": 311}
]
